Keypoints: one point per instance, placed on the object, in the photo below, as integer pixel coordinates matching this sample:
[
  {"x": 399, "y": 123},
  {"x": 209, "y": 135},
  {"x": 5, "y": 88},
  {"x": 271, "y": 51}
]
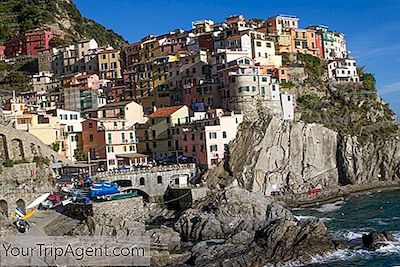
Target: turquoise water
[{"x": 351, "y": 218}]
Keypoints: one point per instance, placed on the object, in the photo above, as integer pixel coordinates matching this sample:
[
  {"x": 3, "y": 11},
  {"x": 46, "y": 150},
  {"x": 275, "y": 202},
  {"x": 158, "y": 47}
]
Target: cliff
[{"x": 342, "y": 135}]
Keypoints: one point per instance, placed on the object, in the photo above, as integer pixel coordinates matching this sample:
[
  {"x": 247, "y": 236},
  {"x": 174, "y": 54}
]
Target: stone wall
[
  {"x": 18, "y": 145},
  {"x": 24, "y": 182},
  {"x": 255, "y": 107}
]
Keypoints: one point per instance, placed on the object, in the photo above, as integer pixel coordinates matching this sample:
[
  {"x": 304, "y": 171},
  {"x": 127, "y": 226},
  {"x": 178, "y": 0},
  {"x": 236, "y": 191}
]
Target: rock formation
[
  {"x": 293, "y": 157},
  {"x": 376, "y": 240}
]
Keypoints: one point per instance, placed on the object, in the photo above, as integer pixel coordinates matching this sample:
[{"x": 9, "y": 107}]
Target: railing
[{"x": 146, "y": 170}]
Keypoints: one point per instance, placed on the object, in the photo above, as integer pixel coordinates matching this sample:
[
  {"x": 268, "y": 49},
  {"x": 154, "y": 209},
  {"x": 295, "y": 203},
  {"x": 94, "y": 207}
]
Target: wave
[
  {"x": 330, "y": 207},
  {"x": 305, "y": 217},
  {"x": 336, "y": 256},
  {"x": 348, "y": 235}
]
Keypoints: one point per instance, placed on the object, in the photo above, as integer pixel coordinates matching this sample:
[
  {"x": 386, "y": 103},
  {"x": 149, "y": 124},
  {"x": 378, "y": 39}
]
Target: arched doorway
[
  {"x": 4, "y": 208},
  {"x": 21, "y": 205},
  {"x": 17, "y": 149}
]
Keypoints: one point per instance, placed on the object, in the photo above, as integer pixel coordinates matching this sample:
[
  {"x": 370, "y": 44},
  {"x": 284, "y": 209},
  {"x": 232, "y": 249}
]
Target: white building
[
  {"x": 287, "y": 106},
  {"x": 72, "y": 122},
  {"x": 343, "y": 70},
  {"x": 340, "y": 47},
  {"x": 120, "y": 140},
  {"x": 218, "y": 137},
  {"x": 44, "y": 81}
]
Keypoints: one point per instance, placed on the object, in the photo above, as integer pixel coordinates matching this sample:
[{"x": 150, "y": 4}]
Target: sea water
[{"x": 350, "y": 219}]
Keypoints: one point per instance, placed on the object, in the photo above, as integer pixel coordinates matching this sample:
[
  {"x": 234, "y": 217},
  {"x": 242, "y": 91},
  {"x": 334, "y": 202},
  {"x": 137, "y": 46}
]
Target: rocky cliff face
[{"x": 276, "y": 155}]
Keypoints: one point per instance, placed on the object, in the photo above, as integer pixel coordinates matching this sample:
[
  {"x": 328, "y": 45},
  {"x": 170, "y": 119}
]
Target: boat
[
  {"x": 37, "y": 201},
  {"x": 100, "y": 190}
]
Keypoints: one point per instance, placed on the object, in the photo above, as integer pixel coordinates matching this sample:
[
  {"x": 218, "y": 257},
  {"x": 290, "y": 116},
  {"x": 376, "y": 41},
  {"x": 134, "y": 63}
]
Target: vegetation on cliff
[
  {"x": 21, "y": 15},
  {"x": 351, "y": 109}
]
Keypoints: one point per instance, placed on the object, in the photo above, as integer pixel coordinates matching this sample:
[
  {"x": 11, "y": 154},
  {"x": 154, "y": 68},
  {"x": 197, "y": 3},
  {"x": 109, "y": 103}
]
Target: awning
[{"x": 131, "y": 156}]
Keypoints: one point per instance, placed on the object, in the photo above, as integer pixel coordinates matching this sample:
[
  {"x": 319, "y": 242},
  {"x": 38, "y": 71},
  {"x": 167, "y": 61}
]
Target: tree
[
  {"x": 56, "y": 146},
  {"x": 369, "y": 81},
  {"x": 57, "y": 42},
  {"x": 80, "y": 156}
]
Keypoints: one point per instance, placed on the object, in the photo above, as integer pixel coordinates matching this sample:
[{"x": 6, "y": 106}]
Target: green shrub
[
  {"x": 40, "y": 161},
  {"x": 9, "y": 163}
]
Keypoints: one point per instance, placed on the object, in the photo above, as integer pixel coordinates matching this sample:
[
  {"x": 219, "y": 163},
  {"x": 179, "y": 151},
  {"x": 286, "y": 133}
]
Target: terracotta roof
[{"x": 164, "y": 112}]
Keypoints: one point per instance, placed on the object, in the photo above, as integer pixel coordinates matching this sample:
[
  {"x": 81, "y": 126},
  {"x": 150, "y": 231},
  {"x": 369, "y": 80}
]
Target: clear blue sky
[{"x": 372, "y": 27}]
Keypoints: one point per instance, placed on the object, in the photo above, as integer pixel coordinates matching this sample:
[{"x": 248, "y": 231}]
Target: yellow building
[
  {"x": 283, "y": 44},
  {"x": 109, "y": 63},
  {"x": 45, "y": 127},
  {"x": 162, "y": 121}
]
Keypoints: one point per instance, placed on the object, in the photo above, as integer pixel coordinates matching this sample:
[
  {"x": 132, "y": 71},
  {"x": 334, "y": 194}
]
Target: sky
[{"x": 372, "y": 27}]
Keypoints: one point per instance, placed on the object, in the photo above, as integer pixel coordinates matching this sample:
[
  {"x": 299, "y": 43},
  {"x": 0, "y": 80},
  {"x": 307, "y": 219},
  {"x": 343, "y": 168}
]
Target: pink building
[
  {"x": 207, "y": 136},
  {"x": 30, "y": 42},
  {"x": 85, "y": 80},
  {"x": 319, "y": 43},
  {"x": 2, "y": 48}
]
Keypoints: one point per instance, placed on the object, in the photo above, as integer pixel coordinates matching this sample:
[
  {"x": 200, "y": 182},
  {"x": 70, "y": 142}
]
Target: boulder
[{"x": 375, "y": 240}]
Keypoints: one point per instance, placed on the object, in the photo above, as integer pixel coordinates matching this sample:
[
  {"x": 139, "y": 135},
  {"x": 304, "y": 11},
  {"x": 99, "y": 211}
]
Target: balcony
[{"x": 129, "y": 141}]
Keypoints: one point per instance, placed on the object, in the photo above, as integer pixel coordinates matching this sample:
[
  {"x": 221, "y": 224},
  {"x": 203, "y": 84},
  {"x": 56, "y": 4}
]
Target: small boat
[{"x": 37, "y": 201}]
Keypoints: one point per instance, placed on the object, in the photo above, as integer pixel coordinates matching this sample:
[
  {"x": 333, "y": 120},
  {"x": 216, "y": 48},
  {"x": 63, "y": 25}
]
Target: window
[
  {"x": 264, "y": 79},
  {"x": 213, "y": 148},
  {"x": 213, "y": 135},
  {"x": 226, "y": 147},
  {"x": 253, "y": 88},
  {"x": 282, "y": 72},
  {"x": 224, "y": 135},
  {"x": 258, "y": 43},
  {"x": 109, "y": 138},
  {"x": 193, "y": 148},
  {"x": 141, "y": 181},
  {"x": 169, "y": 144},
  {"x": 159, "y": 179},
  {"x": 123, "y": 136},
  {"x": 268, "y": 45},
  {"x": 91, "y": 139}
]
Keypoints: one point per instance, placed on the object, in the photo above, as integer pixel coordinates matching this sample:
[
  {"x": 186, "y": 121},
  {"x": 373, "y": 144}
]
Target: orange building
[{"x": 303, "y": 41}]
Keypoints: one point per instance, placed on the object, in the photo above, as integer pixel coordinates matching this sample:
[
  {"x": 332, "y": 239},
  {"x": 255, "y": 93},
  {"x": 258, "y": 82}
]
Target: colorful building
[
  {"x": 2, "y": 55},
  {"x": 30, "y": 42},
  {"x": 343, "y": 70},
  {"x": 111, "y": 142},
  {"x": 207, "y": 136},
  {"x": 72, "y": 124},
  {"x": 162, "y": 123},
  {"x": 281, "y": 24},
  {"x": 109, "y": 64}
]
